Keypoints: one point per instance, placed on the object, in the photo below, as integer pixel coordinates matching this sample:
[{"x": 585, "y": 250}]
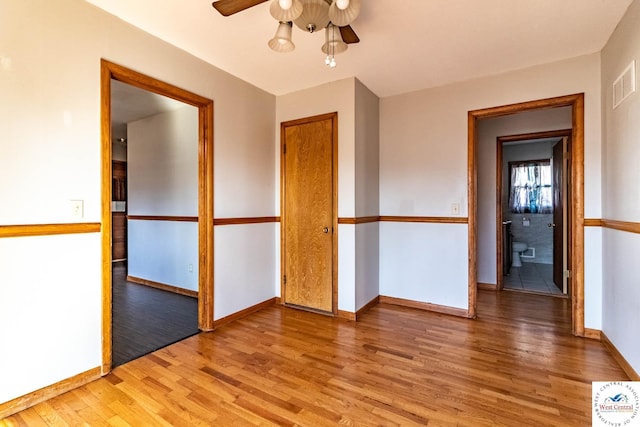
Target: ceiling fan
[{"x": 308, "y": 15}]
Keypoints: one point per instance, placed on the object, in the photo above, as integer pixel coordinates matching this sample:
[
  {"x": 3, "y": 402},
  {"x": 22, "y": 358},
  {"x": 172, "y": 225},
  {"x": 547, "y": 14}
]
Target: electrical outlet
[
  {"x": 77, "y": 209},
  {"x": 455, "y": 209},
  {"x": 190, "y": 268}
]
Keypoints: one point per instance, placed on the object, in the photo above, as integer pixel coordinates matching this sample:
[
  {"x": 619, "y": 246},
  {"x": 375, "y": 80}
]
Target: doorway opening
[
  {"x": 111, "y": 73},
  {"x": 309, "y": 213},
  {"x": 532, "y": 212},
  {"x": 575, "y": 193}
]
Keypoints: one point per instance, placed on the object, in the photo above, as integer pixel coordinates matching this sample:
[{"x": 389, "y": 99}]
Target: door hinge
[
  {"x": 284, "y": 149},
  {"x": 284, "y": 279},
  {"x": 567, "y": 273}
]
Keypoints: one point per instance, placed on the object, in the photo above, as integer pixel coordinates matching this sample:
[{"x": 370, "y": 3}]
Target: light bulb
[
  {"x": 341, "y": 4},
  {"x": 327, "y": 60},
  {"x": 332, "y": 64},
  {"x": 286, "y": 4}
]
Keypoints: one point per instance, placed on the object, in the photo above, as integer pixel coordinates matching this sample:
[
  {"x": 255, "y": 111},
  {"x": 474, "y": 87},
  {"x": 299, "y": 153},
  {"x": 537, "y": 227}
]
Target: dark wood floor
[
  {"x": 517, "y": 364},
  {"x": 146, "y": 319}
]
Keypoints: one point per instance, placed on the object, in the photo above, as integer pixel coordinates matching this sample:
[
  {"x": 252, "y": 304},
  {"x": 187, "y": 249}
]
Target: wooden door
[
  {"x": 558, "y": 214},
  {"x": 309, "y": 212}
]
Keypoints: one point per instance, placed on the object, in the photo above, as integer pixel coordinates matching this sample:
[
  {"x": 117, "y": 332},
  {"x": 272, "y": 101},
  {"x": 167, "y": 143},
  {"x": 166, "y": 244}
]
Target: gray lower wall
[{"x": 537, "y": 235}]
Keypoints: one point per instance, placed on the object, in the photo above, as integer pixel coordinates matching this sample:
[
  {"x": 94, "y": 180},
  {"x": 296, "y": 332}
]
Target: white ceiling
[
  {"x": 129, "y": 103},
  {"x": 405, "y": 45}
]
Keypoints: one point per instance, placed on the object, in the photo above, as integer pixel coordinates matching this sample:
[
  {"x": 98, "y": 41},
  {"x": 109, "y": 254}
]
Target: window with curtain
[{"x": 530, "y": 188}]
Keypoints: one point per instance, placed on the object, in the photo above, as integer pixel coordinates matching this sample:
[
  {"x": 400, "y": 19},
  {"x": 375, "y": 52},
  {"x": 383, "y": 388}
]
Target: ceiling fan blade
[
  {"x": 229, "y": 7},
  {"x": 348, "y": 35}
]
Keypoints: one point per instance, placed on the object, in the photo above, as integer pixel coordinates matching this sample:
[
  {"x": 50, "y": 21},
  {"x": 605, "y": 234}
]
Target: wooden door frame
[
  {"x": 109, "y": 71},
  {"x": 500, "y": 141},
  {"x": 283, "y": 217},
  {"x": 576, "y": 245}
]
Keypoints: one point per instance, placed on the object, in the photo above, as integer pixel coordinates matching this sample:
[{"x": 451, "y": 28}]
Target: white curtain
[{"x": 531, "y": 187}]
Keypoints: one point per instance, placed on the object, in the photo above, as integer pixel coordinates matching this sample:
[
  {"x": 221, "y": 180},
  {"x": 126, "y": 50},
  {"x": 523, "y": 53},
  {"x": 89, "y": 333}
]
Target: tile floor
[{"x": 532, "y": 277}]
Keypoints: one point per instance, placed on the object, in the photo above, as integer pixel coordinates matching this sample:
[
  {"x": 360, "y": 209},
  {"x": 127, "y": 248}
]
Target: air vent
[{"x": 624, "y": 85}]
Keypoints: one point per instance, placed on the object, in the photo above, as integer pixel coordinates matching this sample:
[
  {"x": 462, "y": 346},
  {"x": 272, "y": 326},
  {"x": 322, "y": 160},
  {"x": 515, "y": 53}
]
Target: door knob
[
  {"x": 325, "y": 230},
  {"x": 551, "y": 225}
]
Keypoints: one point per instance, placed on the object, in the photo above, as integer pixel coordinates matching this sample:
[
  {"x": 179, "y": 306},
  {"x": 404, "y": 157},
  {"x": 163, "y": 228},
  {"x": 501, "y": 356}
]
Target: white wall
[
  {"x": 347, "y": 267},
  {"x": 488, "y": 130},
  {"x": 162, "y": 167},
  {"x": 162, "y": 177},
  {"x": 367, "y": 264},
  {"x": 422, "y": 262},
  {"x": 49, "y": 310},
  {"x": 337, "y": 96},
  {"x": 423, "y": 169},
  {"x": 593, "y": 265},
  {"x": 621, "y": 156},
  {"x": 164, "y": 252},
  {"x": 243, "y": 253},
  {"x": 367, "y": 194},
  {"x": 367, "y": 152},
  {"x": 52, "y": 107}
]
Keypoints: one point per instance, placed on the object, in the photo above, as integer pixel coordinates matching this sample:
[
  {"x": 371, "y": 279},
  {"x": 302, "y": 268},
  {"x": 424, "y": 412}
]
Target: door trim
[
  {"x": 108, "y": 71},
  {"x": 500, "y": 141},
  {"x": 334, "y": 241},
  {"x": 576, "y": 102}
]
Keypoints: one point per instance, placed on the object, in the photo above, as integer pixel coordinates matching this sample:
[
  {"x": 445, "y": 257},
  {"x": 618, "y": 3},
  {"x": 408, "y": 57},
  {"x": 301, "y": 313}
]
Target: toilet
[{"x": 518, "y": 248}]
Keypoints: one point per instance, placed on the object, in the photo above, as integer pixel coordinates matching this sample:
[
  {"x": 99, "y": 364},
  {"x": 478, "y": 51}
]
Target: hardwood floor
[
  {"x": 146, "y": 319},
  {"x": 517, "y": 364}
]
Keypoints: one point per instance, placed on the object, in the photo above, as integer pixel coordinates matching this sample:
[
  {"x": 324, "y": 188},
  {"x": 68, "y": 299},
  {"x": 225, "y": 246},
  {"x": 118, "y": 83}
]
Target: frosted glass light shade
[
  {"x": 285, "y": 15},
  {"x": 281, "y": 42},
  {"x": 333, "y": 44},
  {"x": 343, "y": 17},
  {"x": 315, "y": 15}
]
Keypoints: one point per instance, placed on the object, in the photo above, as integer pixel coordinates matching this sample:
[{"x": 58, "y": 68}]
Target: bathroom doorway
[
  {"x": 483, "y": 252},
  {"x": 532, "y": 212}
]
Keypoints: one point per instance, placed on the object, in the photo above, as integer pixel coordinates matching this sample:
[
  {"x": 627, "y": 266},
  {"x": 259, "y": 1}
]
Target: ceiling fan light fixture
[
  {"x": 281, "y": 42},
  {"x": 285, "y": 14},
  {"x": 344, "y": 16},
  {"x": 315, "y": 15},
  {"x": 333, "y": 43}
]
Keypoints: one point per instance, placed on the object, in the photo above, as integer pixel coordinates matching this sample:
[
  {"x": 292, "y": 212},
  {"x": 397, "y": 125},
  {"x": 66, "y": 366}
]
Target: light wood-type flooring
[{"x": 517, "y": 364}]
